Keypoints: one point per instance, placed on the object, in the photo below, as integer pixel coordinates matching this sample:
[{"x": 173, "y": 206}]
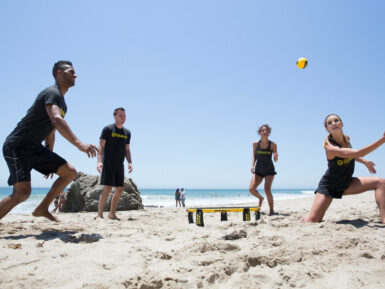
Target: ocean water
[{"x": 166, "y": 197}]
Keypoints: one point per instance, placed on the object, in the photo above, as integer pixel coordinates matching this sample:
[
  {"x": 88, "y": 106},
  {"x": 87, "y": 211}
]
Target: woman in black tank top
[
  {"x": 338, "y": 180},
  {"x": 262, "y": 166}
]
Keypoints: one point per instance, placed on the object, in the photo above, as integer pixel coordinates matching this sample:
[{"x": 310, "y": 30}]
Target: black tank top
[
  {"x": 264, "y": 164},
  {"x": 338, "y": 176}
]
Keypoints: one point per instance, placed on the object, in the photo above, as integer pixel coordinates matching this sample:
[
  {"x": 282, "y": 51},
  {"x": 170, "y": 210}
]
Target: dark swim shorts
[
  {"x": 23, "y": 159},
  {"x": 113, "y": 177}
]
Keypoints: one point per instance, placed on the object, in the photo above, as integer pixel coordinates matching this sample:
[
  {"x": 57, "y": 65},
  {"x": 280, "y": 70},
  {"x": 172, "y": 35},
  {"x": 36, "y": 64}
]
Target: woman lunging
[{"x": 338, "y": 180}]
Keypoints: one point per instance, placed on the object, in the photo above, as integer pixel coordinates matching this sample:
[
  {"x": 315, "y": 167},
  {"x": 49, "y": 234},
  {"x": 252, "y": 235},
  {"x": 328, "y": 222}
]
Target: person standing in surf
[
  {"x": 338, "y": 180},
  {"x": 262, "y": 166}
]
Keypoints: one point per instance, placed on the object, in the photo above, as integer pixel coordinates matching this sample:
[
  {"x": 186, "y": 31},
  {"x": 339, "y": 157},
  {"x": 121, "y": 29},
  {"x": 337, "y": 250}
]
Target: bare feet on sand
[
  {"x": 46, "y": 214},
  {"x": 113, "y": 217}
]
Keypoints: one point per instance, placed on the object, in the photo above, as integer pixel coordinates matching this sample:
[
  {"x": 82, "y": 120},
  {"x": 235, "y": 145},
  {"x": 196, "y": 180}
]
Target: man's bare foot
[
  {"x": 271, "y": 213},
  {"x": 98, "y": 217},
  {"x": 46, "y": 214},
  {"x": 113, "y": 217}
]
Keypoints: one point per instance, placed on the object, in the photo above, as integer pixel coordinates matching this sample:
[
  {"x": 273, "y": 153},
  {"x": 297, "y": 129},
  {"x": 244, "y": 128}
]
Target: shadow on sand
[
  {"x": 359, "y": 223},
  {"x": 65, "y": 236}
]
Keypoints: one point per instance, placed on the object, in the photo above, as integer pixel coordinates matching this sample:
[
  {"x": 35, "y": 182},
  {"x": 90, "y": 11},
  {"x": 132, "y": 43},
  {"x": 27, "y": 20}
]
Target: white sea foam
[
  {"x": 28, "y": 206},
  {"x": 307, "y": 192},
  {"x": 194, "y": 198},
  {"x": 203, "y": 201}
]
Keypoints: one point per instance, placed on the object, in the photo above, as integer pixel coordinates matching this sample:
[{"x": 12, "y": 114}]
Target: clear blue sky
[{"x": 197, "y": 78}]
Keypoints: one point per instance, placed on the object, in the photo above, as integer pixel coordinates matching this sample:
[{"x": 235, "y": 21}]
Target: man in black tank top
[
  {"x": 23, "y": 149},
  {"x": 114, "y": 147}
]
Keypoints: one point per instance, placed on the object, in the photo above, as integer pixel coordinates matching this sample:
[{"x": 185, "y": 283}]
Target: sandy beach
[{"x": 157, "y": 248}]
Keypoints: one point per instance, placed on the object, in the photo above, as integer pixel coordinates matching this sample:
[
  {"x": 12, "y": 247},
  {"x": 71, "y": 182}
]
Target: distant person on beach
[
  {"x": 177, "y": 198},
  {"x": 23, "y": 149},
  {"x": 183, "y": 196},
  {"x": 337, "y": 180},
  {"x": 62, "y": 201},
  {"x": 56, "y": 204},
  {"x": 59, "y": 202},
  {"x": 262, "y": 166},
  {"x": 113, "y": 148}
]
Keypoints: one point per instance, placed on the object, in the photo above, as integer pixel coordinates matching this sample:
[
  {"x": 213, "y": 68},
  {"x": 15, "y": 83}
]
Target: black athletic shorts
[
  {"x": 265, "y": 174},
  {"x": 23, "y": 159},
  {"x": 334, "y": 194},
  {"x": 112, "y": 176},
  {"x": 332, "y": 191}
]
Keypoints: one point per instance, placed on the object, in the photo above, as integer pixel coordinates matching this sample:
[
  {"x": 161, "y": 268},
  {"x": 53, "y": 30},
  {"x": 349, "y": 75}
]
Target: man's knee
[
  {"x": 381, "y": 183},
  {"x": 72, "y": 173},
  {"x": 67, "y": 171},
  {"x": 107, "y": 190},
  {"x": 118, "y": 193}
]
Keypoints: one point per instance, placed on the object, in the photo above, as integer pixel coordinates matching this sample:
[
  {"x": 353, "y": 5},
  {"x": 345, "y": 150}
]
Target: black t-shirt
[
  {"x": 36, "y": 125},
  {"x": 115, "y": 147}
]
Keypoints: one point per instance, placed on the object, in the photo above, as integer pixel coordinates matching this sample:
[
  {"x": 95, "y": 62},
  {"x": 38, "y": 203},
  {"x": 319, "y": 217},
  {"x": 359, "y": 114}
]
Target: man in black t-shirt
[
  {"x": 114, "y": 147},
  {"x": 23, "y": 149}
]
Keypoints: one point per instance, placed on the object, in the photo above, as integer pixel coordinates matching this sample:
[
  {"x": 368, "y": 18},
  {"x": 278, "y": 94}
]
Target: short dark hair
[
  {"x": 60, "y": 66},
  {"x": 117, "y": 109}
]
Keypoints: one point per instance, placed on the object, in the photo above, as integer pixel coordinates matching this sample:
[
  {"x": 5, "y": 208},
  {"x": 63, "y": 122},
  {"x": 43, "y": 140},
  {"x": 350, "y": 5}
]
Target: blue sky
[{"x": 197, "y": 78}]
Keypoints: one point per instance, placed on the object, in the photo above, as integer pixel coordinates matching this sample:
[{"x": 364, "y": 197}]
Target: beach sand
[{"x": 157, "y": 248}]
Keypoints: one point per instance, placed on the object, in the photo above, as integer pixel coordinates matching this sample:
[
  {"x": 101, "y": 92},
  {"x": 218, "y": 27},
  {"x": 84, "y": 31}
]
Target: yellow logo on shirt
[
  {"x": 63, "y": 114},
  {"x": 263, "y": 153},
  {"x": 119, "y": 135},
  {"x": 343, "y": 162}
]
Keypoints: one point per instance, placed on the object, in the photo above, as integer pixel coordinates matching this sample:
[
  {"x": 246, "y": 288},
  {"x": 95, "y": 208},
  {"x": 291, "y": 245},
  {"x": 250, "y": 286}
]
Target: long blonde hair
[{"x": 329, "y": 137}]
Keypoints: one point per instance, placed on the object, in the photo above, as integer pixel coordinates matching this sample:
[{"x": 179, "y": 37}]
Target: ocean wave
[
  {"x": 307, "y": 192},
  {"x": 166, "y": 198}
]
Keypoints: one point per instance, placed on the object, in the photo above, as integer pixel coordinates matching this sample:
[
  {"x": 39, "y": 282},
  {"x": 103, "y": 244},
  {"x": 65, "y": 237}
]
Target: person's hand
[
  {"x": 370, "y": 165},
  {"x": 49, "y": 176},
  {"x": 276, "y": 157},
  {"x": 130, "y": 168},
  {"x": 252, "y": 170},
  {"x": 99, "y": 167},
  {"x": 89, "y": 149}
]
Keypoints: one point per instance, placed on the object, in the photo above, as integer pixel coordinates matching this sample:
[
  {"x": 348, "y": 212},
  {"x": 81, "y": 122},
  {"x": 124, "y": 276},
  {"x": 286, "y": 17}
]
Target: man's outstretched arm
[{"x": 63, "y": 128}]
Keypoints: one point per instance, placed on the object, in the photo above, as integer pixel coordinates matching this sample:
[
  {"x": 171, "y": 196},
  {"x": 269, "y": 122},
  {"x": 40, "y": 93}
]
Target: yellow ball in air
[{"x": 302, "y": 62}]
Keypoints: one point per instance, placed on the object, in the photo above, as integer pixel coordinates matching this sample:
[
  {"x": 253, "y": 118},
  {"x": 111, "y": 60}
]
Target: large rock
[{"x": 83, "y": 195}]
